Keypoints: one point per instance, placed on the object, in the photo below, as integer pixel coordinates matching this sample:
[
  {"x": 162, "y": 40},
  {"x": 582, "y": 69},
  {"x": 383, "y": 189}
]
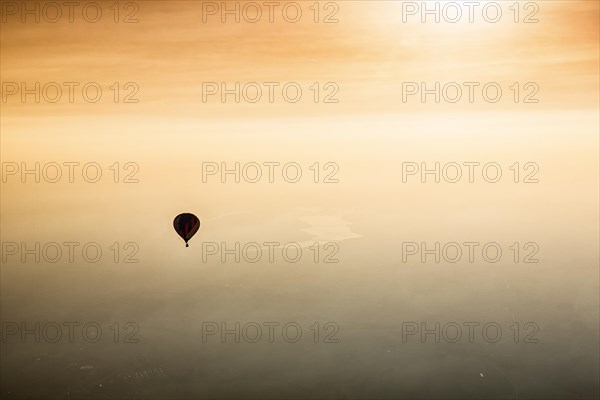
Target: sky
[{"x": 362, "y": 132}]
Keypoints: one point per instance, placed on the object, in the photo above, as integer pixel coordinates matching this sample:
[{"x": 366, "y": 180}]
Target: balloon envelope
[{"x": 186, "y": 225}]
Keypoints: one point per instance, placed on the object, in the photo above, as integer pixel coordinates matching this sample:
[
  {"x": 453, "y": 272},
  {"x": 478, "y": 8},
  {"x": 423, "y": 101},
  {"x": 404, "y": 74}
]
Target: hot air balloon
[{"x": 186, "y": 225}]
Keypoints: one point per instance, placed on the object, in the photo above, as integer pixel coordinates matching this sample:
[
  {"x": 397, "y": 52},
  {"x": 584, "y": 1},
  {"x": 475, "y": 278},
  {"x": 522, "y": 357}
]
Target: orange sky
[{"x": 368, "y": 53}]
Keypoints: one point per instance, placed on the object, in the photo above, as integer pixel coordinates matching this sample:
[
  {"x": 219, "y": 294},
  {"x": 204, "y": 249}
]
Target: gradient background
[{"x": 369, "y": 213}]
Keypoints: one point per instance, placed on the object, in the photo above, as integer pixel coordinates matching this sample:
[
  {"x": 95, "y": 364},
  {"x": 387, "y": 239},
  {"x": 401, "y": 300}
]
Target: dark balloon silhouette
[{"x": 186, "y": 225}]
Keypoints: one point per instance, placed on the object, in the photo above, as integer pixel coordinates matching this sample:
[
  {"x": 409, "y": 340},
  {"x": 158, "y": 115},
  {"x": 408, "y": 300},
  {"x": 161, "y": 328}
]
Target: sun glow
[{"x": 451, "y": 17}]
